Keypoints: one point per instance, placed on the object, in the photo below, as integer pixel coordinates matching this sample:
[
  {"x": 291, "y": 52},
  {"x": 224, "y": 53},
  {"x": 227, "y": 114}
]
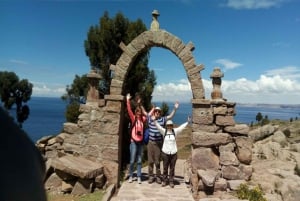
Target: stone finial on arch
[{"x": 164, "y": 39}]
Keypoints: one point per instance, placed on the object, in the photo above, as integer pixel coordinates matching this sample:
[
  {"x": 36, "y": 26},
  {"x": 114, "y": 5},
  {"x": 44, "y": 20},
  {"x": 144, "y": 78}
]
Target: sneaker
[
  {"x": 130, "y": 180},
  {"x": 163, "y": 184},
  {"x": 158, "y": 180},
  {"x": 139, "y": 180},
  {"x": 171, "y": 184},
  {"x": 151, "y": 180}
]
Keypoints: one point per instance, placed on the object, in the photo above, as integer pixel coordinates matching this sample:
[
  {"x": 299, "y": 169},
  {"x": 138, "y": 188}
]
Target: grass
[{"x": 96, "y": 196}]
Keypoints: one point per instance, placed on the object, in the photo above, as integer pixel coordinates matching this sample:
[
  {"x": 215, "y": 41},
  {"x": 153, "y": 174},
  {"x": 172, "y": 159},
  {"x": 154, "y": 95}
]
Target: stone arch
[
  {"x": 163, "y": 39},
  {"x": 114, "y": 102},
  {"x": 217, "y": 142}
]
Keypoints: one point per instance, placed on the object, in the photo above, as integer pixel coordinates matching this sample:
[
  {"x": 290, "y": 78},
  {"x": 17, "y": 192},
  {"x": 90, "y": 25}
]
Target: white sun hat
[{"x": 169, "y": 122}]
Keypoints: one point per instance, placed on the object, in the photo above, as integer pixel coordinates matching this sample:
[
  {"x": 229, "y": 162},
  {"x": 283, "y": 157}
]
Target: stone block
[
  {"x": 82, "y": 186},
  {"x": 228, "y": 158},
  {"x": 70, "y": 128},
  {"x": 206, "y": 139},
  {"x": 203, "y": 116},
  {"x": 212, "y": 128},
  {"x": 204, "y": 158},
  {"x": 208, "y": 177},
  {"x": 77, "y": 166},
  {"x": 239, "y": 129},
  {"x": 220, "y": 110},
  {"x": 224, "y": 120},
  {"x": 220, "y": 185},
  {"x": 244, "y": 149},
  {"x": 53, "y": 183}
]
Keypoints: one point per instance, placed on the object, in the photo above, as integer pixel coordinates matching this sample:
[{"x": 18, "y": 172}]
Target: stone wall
[
  {"x": 221, "y": 149},
  {"x": 88, "y": 147}
]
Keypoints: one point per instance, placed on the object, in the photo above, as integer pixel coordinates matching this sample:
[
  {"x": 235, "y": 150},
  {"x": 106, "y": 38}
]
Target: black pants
[{"x": 169, "y": 161}]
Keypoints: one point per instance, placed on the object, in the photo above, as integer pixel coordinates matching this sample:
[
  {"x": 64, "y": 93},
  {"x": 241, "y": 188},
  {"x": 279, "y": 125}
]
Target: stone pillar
[
  {"x": 216, "y": 76},
  {"x": 93, "y": 81},
  {"x": 154, "y": 24}
]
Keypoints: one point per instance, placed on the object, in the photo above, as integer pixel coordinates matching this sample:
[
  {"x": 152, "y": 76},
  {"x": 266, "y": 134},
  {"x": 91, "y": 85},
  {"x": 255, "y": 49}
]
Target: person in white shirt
[{"x": 169, "y": 149}]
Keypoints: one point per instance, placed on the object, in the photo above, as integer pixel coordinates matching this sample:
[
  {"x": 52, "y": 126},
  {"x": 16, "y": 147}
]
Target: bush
[
  {"x": 255, "y": 194},
  {"x": 72, "y": 112}
]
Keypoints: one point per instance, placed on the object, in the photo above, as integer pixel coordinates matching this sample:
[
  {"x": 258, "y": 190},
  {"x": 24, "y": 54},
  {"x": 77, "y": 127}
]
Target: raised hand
[
  {"x": 189, "y": 119},
  {"x": 139, "y": 100},
  {"x": 128, "y": 96},
  {"x": 176, "y": 105},
  {"x": 153, "y": 117}
]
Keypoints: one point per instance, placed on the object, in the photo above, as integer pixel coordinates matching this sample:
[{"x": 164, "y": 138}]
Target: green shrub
[
  {"x": 72, "y": 112},
  {"x": 255, "y": 194}
]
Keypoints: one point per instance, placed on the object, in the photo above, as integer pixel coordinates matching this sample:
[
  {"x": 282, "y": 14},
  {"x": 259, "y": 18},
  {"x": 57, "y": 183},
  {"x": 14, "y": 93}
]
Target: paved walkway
[{"x": 154, "y": 191}]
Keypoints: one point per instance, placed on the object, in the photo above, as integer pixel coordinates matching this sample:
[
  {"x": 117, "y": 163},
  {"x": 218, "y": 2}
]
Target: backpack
[
  {"x": 143, "y": 139},
  {"x": 146, "y": 136},
  {"x": 173, "y": 133}
]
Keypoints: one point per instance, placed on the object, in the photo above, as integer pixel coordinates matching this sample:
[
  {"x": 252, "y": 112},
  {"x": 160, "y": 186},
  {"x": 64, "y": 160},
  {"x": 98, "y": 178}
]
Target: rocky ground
[{"x": 276, "y": 160}]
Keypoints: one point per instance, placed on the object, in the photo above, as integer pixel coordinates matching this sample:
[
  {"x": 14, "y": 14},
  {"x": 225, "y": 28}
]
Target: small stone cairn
[{"x": 221, "y": 149}]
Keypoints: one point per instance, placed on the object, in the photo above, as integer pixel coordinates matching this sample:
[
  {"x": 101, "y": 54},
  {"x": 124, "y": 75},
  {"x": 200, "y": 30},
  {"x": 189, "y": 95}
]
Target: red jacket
[{"x": 137, "y": 131}]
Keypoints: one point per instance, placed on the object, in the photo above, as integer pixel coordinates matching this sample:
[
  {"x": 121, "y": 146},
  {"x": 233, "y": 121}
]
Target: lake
[{"x": 47, "y": 114}]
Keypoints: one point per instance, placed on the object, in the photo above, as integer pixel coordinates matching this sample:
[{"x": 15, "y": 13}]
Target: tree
[
  {"x": 258, "y": 117},
  {"x": 164, "y": 109},
  {"x": 76, "y": 94},
  {"x": 265, "y": 120},
  {"x": 102, "y": 48},
  {"x": 15, "y": 91}
]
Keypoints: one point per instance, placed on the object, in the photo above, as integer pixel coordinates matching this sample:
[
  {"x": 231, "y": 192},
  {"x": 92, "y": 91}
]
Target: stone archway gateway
[
  {"x": 221, "y": 150},
  {"x": 165, "y": 40}
]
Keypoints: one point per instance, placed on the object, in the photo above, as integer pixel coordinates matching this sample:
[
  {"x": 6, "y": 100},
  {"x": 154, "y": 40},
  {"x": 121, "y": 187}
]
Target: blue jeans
[{"x": 136, "y": 152}]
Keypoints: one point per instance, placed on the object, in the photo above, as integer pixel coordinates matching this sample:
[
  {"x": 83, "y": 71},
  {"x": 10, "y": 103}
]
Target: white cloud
[
  {"x": 270, "y": 88},
  {"x": 267, "y": 89},
  {"x": 253, "y": 4},
  {"x": 179, "y": 91},
  {"x": 289, "y": 72},
  {"x": 276, "y": 86},
  {"x": 18, "y": 61},
  {"x": 48, "y": 90},
  {"x": 228, "y": 64}
]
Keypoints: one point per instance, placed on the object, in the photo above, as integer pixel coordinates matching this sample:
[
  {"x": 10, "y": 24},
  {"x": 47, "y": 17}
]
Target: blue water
[
  {"x": 47, "y": 115},
  {"x": 245, "y": 113}
]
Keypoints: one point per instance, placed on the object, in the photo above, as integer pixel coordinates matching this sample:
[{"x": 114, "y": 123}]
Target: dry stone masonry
[
  {"x": 221, "y": 149},
  {"x": 87, "y": 155}
]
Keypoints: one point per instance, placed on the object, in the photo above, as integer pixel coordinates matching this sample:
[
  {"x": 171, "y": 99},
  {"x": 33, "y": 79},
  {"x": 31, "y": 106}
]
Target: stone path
[{"x": 154, "y": 191}]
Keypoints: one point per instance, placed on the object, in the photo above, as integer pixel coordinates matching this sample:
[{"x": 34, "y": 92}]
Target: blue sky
[{"x": 256, "y": 43}]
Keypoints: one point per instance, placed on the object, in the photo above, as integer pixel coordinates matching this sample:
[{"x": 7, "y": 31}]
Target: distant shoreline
[{"x": 279, "y": 105}]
